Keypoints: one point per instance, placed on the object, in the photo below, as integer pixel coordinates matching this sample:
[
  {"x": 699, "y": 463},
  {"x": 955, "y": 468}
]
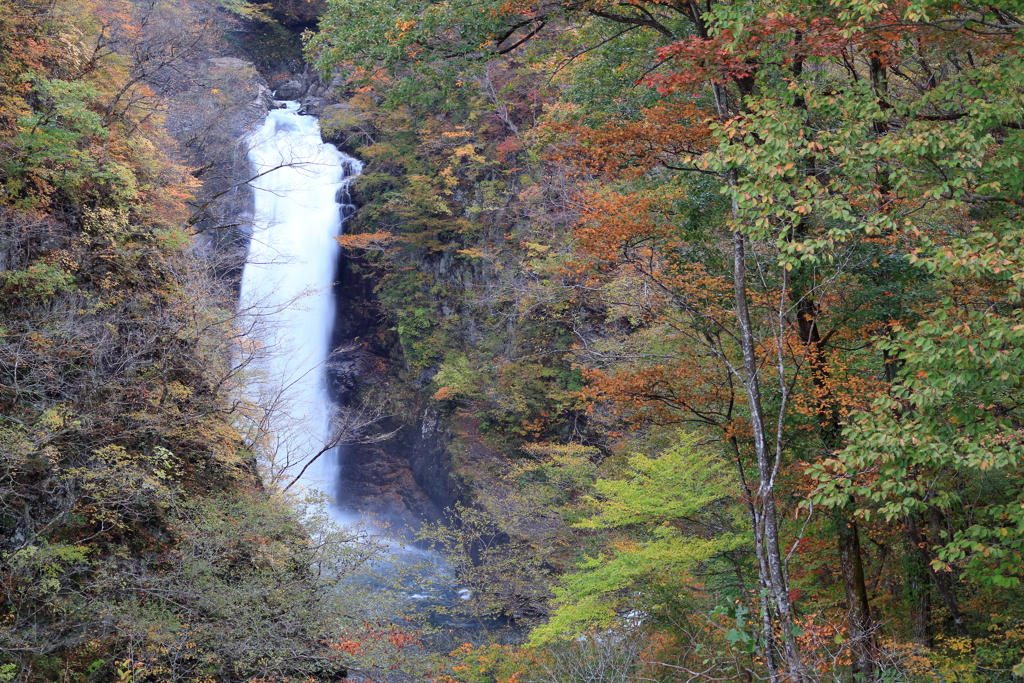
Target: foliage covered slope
[
  {"x": 791, "y": 230},
  {"x": 137, "y": 541}
]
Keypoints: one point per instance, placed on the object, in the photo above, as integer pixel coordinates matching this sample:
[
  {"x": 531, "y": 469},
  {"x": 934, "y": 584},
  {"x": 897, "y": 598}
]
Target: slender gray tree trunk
[{"x": 771, "y": 567}]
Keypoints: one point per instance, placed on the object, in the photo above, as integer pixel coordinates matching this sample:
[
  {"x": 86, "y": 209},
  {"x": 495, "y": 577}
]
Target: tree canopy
[{"x": 793, "y": 229}]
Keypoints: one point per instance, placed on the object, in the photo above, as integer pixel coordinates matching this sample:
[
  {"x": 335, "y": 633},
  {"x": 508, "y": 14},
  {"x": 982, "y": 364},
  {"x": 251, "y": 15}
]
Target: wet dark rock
[
  {"x": 313, "y": 106},
  {"x": 401, "y": 482},
  {"x": 208, "y": 124},
  {"x": 291, "y": 90},
  {"x": 404, "y": 480}
]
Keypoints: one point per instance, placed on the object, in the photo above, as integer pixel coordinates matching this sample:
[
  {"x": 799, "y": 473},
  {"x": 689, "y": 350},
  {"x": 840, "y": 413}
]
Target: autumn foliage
[
  {"x": 137, "y": 538},
  {"x": 792, "y": 231}
]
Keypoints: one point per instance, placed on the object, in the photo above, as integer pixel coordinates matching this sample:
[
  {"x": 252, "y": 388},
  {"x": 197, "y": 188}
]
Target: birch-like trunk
[{"x": 771, "y": 568}]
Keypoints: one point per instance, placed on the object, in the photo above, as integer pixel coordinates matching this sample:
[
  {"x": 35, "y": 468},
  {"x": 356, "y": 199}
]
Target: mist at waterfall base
[{"x": 301, "y": 200}]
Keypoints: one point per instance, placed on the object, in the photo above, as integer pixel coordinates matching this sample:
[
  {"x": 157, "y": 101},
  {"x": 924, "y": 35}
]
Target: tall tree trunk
[
  {"x": 851, "y": 562},
  {"x": 858, "y": 608},
  {"x": 771, "y": 568},
  {"x": 917, "y": 590},
  {"x": 943, "y": 580}
]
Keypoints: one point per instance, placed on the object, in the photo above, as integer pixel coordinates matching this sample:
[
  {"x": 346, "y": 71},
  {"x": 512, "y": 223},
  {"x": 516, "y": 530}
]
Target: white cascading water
[{"x": 301, "y": 200}]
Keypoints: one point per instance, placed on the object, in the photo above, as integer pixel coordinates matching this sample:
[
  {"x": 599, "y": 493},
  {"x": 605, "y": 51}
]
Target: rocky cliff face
[
  {"x": 404, "y": 480},
  {"x": 210, "y": 124}
]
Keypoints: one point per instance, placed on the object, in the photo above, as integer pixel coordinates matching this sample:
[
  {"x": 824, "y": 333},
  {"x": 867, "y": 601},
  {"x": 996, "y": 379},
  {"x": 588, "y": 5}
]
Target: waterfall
[{"x": 301, "y": 200}]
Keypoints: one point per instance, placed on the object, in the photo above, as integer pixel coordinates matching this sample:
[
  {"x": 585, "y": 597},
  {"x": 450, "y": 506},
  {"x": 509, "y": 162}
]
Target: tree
[
  {"x": 777, "y": 292},
  {"x": 673, "y": 514}
]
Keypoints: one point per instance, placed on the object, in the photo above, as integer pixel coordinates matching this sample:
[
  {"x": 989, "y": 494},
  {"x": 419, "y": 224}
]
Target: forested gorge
[
  {"x": 137, "y": 538},
  {"x": 717, "y": 306},
  {"x": 755, "y": 275}
]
